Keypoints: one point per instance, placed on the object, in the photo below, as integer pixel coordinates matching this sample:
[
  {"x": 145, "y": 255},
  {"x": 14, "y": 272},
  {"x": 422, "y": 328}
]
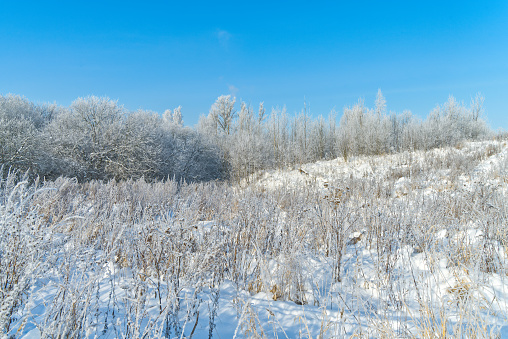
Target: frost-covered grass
[{"x": 408, "y": 245}]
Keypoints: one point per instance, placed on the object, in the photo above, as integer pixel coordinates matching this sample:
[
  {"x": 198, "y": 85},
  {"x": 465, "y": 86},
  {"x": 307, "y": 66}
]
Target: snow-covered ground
[{"x": 409, "y": 245}]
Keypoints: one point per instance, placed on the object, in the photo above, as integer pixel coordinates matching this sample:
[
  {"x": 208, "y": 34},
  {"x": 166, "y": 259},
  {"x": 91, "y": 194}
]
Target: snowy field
[{"x": 408, "y": 245}]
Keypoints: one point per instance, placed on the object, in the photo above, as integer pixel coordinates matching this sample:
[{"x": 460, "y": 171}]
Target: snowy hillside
[{"x": 407, "y": 245}]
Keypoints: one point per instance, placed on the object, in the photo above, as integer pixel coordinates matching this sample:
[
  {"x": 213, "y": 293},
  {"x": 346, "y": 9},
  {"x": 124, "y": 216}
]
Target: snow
[{"x": 400, "y": 291}]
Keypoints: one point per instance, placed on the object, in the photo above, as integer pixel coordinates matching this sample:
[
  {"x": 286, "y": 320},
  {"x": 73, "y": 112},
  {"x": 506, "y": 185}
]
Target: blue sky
[{"x": 156, "y": 55}]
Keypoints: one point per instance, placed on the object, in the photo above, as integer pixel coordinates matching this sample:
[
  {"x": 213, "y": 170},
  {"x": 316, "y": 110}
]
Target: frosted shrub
[
  {"x": 377, "y": 252},
  {"x": 25, "y": 249}
]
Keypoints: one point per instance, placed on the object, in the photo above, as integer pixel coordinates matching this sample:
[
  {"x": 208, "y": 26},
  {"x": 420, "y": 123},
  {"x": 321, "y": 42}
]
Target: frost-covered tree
[
  {"x": 380, "y": 126},
  {"x": 352, "y": 130},
  {"x": 261, "y": 112},
  {"x": 173, "y": 117},
  {"x": 453, "y": 122},
  {"x": 21, "y": 141},
  {"x": 318, "y": 140},
  {"x": 380, "y": 107},
  {"x": 223, "y": 112},
  {"x": 217, "y": 127},
  {"x": 397, "y": 125},
  {"x": 331, "y": 140},
  {"x": 195, "y": 153},
  {"x": 248, "y": 148},
  {"x": 85, "y": 135},
  {"x": 300, "y": 137},
  {"x": 141, "y": 149},
  {"x": 278, "y": 133},
  {"x": 478, "y": 127}
]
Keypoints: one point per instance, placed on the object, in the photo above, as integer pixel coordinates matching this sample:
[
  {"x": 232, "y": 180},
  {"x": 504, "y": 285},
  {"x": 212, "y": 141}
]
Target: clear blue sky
[{"x": 161, "y": 54}]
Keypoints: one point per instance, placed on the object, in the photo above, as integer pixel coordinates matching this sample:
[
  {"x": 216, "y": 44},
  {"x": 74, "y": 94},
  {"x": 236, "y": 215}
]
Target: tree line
[{"x": 95, "y": 138}]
